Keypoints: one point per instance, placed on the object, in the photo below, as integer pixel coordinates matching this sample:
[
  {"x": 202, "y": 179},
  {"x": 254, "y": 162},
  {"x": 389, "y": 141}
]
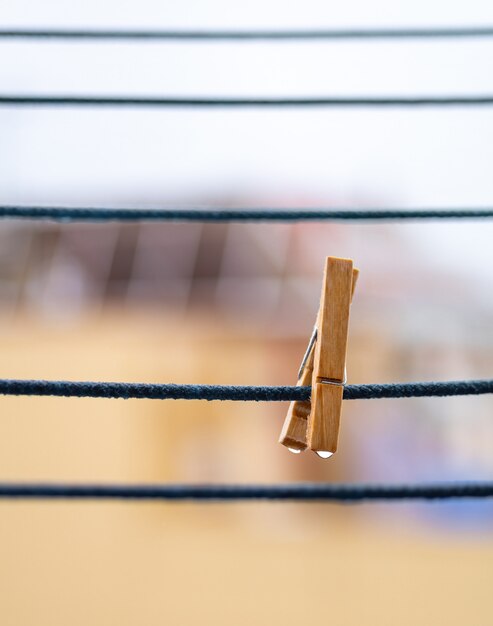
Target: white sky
[{"x": 429, "y": 157}]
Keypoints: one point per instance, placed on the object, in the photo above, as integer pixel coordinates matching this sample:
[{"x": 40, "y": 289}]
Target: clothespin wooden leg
[
  {"x": 329, "y": 366},
  {"x": 293, "y": 433},
  {"x": 294, "y": 430}
]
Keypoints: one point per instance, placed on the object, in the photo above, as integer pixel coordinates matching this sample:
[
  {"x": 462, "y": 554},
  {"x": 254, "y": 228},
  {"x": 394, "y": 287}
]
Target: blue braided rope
[
  {"x": 99, "y": 214},
  {"x": 240, "y": 102},
  {"x": 307, "y": 492},
  {"x": 252, "y": 35},
  {"x": 155, "y": 391}
]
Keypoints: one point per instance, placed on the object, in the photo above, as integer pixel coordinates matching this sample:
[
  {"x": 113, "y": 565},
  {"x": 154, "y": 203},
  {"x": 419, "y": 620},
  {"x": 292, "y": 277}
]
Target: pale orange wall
[{"x": 125, "y": 564}]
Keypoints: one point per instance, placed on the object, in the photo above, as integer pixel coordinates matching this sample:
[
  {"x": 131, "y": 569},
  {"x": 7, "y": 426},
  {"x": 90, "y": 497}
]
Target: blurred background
[{"x": 235, "y": 304}]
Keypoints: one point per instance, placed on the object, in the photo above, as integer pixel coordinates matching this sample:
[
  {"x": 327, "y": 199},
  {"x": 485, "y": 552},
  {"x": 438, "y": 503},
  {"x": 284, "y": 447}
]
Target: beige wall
[{"x": 123, "y": 564}]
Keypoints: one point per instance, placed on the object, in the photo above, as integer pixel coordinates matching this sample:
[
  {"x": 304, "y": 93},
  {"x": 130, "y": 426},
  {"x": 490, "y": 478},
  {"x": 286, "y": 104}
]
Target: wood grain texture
[
  {"x": 333, "y": 324},
  {"x": 294, "y": 430},
  {"x": 330, "y": 355},
  {"x": 293, "y": 433},
  {"x": 323, "y": 432}
]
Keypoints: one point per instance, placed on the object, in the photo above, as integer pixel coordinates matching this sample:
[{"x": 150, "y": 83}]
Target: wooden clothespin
[
  {"x": 294, "y": 430},
  {"x": 315, "y": 422}
]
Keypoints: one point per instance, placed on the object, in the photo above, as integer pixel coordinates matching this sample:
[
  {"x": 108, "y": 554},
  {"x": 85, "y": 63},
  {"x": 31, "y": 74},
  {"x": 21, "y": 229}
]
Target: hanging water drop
[
  {"x": 324, "y": 454},
  {"x": 294, "y": 450}
]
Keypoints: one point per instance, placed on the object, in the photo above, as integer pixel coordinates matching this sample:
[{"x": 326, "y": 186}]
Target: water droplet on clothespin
[
  {"x": 323, "y": 454},
  {"x": 294, "y": 450}
]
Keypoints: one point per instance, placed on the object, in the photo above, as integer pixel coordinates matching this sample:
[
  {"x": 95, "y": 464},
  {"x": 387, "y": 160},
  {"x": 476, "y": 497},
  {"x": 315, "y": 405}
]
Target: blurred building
[{"x": 241, "y": 287}]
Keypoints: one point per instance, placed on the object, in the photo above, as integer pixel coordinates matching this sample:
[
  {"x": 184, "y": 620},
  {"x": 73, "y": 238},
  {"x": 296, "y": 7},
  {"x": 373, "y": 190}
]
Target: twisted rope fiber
[
  {"x": 295, "y": 34},
  {"x": 156, "y": 391},
  {"x": 96, "y": 214},
  {"x": 321, "y": 492},
  {"x": 237, "y": 102}
]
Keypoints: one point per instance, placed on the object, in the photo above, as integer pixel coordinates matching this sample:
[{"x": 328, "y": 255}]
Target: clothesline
[{"x": 156, "y": 391}]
